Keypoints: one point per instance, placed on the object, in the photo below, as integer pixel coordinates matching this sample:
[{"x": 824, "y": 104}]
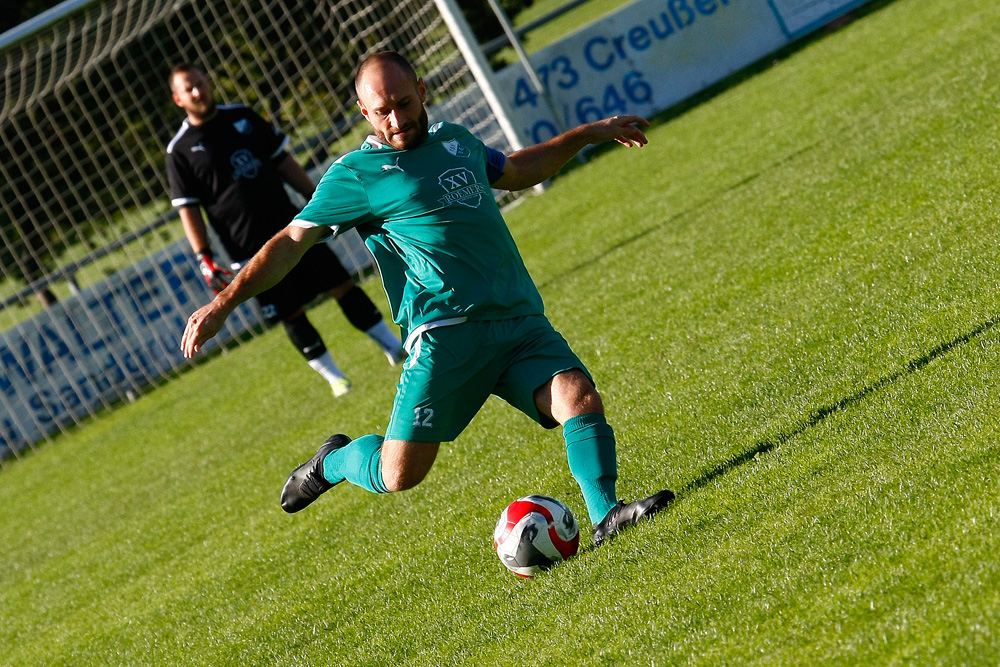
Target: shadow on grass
[
  {"x": 817, "y": 416},
  {"x": 712, "y": 198}
]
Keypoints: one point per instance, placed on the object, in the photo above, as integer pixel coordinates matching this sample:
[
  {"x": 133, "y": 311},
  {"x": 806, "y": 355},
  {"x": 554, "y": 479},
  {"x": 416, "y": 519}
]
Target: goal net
[{"x": 96, "y": 278}]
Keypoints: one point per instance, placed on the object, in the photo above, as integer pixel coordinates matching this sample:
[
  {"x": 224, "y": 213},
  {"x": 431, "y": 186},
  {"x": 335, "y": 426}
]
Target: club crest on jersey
[
  {"x": 461, "y": 187},
  {"x": 245, "y": 164},
  {"x": 243, "y": 126},
  {"x": 455, "y": 148}
]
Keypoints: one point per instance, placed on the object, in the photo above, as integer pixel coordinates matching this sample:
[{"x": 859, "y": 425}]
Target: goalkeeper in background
[
  {"x": 231, "y": 162},
  {"x": 472, "y": 317}
]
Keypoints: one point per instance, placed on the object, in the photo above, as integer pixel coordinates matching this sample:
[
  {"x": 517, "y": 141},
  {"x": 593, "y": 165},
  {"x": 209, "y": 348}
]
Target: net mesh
[{"x": 84, "y": 208}]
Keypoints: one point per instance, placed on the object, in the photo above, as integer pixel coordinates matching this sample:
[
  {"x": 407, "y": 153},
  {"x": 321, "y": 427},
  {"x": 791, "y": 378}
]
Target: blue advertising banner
[
  {"x": 651, "y": 54},
  {"x": 101, "y": 346},
  {"x": 109, "y": 342}
]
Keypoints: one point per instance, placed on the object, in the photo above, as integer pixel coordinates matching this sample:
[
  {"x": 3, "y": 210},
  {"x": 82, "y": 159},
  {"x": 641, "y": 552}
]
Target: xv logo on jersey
[
  {"x": 243, "y": 126},
  {"x": 461, "y": 187},
  {"x": 245, "y": 164}
]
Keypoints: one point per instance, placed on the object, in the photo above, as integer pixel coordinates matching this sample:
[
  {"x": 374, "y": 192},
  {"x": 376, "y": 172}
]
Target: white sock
[
  {"x": 325, "y": 366},
  {"x": 381, "y": 334}
]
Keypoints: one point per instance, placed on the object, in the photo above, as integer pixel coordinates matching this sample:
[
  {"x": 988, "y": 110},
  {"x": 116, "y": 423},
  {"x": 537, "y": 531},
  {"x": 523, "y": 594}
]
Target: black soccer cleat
[
  {"x": 625, "y": 514},
  {"x": 307, "y": 483}
]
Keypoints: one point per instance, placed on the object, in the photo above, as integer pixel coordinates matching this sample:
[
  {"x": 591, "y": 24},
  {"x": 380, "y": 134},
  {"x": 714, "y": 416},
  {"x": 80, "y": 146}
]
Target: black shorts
[{"x": 317, "y": 272}]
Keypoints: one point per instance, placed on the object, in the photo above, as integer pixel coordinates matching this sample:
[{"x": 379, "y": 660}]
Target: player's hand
[
  {"x": 626, "y": 130},
  {"x": 201, "y": 326},
  {"x": 216, "y": 277}
]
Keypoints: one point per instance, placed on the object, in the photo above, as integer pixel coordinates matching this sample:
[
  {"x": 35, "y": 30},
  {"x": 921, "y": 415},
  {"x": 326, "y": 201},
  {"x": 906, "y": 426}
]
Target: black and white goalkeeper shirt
[{"x": 228, "y": 166}]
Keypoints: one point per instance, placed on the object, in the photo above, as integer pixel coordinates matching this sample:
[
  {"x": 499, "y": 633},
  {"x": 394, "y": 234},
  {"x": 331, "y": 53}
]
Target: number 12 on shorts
[{"x": 423, "y": 417}]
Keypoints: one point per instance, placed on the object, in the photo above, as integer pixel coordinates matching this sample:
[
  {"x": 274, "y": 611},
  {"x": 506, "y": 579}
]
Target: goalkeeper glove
[{"x": 216, "y": 277}]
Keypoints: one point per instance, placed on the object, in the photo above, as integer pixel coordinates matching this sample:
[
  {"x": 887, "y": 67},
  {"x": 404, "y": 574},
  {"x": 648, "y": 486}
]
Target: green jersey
[{"x": 429, "y": 218}]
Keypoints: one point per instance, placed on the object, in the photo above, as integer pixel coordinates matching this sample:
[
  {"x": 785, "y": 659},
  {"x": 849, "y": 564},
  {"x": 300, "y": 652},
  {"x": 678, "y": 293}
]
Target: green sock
[
  {"x": 360, "y": 463},
  {"x": 590, "y": 447}
]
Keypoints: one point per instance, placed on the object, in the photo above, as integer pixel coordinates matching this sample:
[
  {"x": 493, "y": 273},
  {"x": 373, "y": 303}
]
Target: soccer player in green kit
[{"x": 471, "y": 317}]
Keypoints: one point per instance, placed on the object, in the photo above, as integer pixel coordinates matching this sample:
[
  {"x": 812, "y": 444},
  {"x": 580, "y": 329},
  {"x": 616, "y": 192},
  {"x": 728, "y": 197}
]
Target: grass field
[{"x": 789, "y": 300}]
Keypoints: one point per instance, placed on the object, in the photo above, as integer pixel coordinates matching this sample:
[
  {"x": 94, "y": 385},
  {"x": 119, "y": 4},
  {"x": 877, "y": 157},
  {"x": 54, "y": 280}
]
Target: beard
[
  {"x": 415, "y": 134},
  {"x": 206, "y": 111}
]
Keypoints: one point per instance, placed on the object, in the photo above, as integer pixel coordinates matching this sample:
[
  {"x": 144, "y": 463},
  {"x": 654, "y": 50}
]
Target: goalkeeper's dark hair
[{"x": 185, "y": 68}]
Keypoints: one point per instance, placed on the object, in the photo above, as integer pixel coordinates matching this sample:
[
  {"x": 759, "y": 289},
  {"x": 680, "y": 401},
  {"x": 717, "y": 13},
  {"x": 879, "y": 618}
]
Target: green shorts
[{"x": 452, "y": 370}]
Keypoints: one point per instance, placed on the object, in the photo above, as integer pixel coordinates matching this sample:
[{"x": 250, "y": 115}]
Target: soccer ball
[{"x": 534, "y": 533}]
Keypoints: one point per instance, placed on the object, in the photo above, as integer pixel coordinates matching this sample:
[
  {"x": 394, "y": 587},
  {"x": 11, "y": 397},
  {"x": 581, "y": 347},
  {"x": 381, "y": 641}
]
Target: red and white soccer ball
[{"x": 534, "y": 533}]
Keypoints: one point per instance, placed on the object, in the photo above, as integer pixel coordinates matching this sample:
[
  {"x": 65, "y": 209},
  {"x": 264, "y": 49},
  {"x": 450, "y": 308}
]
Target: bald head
[
  {"x": 391, "y": 98},
  {"x": 378, "y": 64}
]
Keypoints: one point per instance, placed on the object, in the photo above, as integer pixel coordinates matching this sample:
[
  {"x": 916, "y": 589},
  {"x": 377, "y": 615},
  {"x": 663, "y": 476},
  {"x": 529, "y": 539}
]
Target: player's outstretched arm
[
  {"x": 264, "y": 270},
  {"x": 530, "y": 166},
  {"x": 195, "y": 228}
]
